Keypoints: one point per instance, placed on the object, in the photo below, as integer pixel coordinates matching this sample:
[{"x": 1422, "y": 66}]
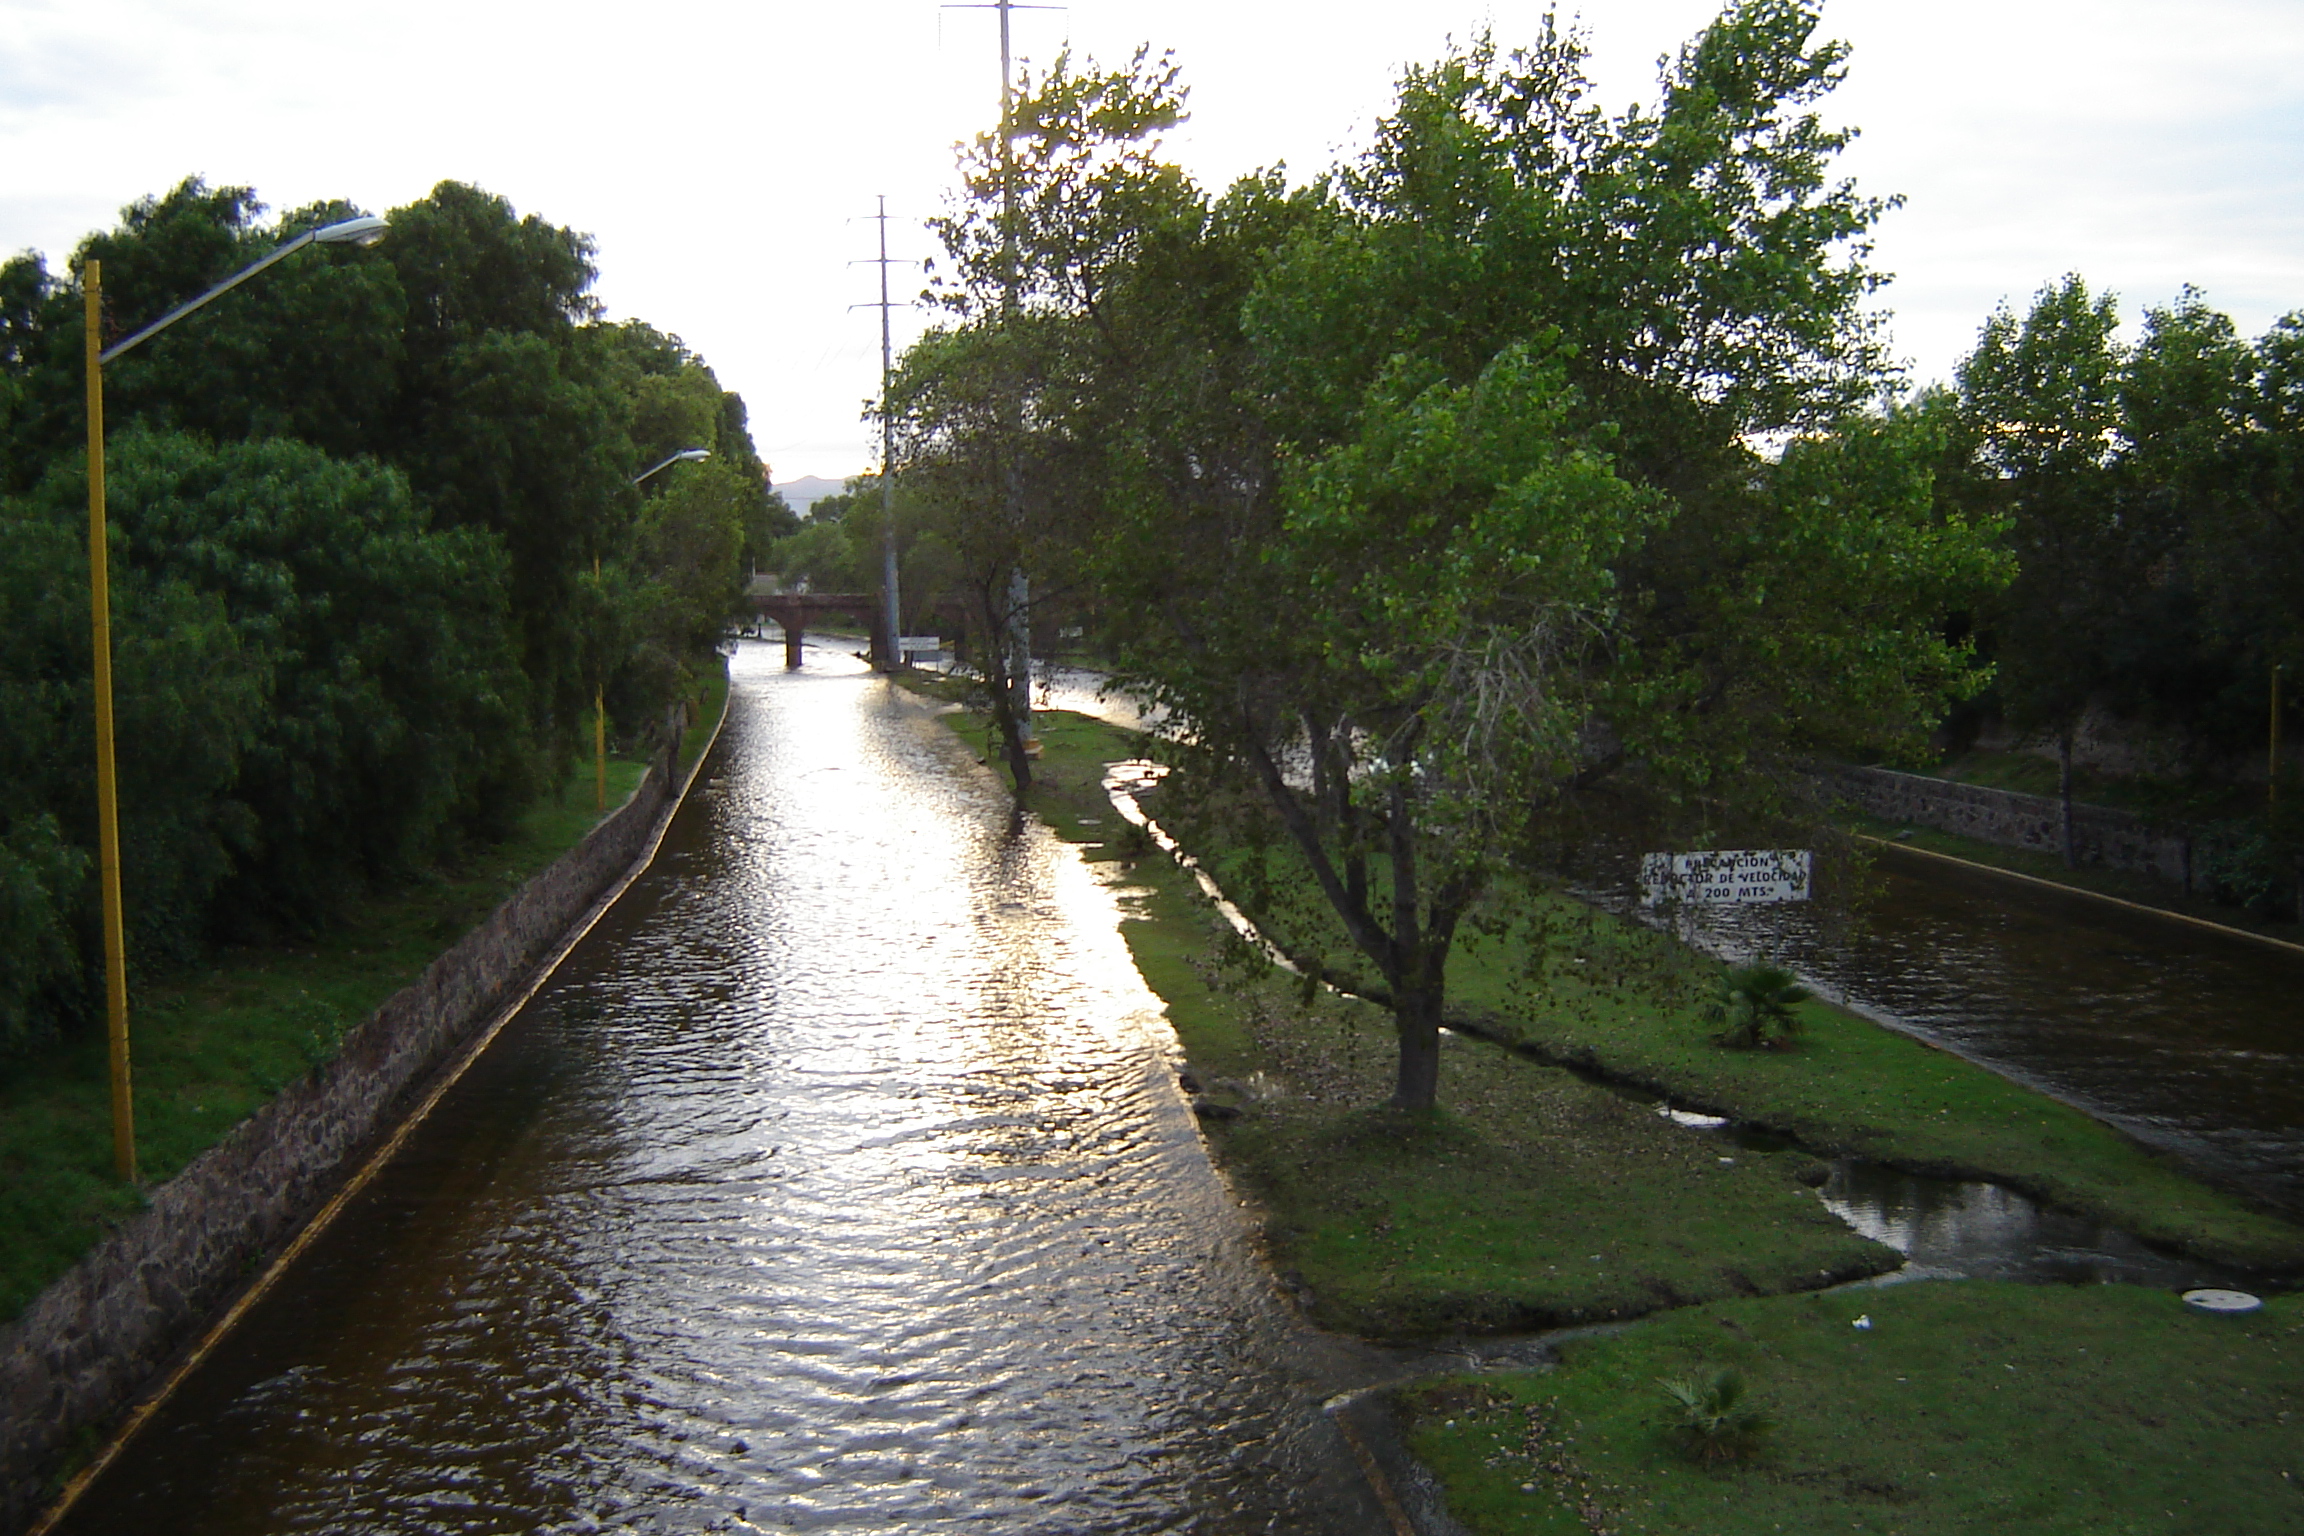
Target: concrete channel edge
[{"x": 117, "y": 1331}]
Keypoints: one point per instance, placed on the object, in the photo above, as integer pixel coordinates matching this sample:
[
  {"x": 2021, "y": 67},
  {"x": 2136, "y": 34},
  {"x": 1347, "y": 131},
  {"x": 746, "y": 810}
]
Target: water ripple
[{"x": 836, "y": 1183}]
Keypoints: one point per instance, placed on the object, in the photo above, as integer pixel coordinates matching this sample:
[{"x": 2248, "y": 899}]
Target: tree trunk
[
  {"x": 2064, "y": 792},
  {"x": 1416, "y": 1015},
  {"x": 999, "y": 653}
]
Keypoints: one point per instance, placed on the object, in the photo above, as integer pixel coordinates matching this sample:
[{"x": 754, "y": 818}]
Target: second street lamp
[
  {"x": 365, "y": 230},
  {"x": 600, "y": 688}
]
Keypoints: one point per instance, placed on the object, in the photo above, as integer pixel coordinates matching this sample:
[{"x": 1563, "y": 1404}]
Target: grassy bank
[
  {"x": 212, "y": 1046},
  {"x": 1539, "y": 1197},
  {"x": 1535, "y": 1199},
  {"x": 1564, "y": 983},
  {"x": 1852, "y": 1088},
  {"x": 1962, "y": 1408},
  {"x": 1396, "y": 1229}
]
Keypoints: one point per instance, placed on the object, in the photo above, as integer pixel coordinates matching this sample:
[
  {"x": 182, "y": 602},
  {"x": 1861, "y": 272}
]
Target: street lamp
[
  {"x": 600, "y": 689},
  {"x": 684, "y": 456},
  {"x": 365, "y": 230}
]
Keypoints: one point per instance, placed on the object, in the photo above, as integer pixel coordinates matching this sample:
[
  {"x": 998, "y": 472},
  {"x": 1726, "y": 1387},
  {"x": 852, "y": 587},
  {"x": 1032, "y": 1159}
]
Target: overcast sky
[{"x": 726, "y": 155}]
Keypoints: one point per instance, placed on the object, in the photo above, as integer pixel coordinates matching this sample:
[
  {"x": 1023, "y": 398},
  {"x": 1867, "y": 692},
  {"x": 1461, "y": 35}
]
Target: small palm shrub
[
  {"x": 1758, "y": 1007},
  {"x": 1711, "y": 1420}
]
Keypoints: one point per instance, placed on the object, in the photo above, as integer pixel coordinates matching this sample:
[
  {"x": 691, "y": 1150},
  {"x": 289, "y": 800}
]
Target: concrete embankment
[
  {"x": 105, "y": 1331},
  {"x": 2101, "y": 836}
]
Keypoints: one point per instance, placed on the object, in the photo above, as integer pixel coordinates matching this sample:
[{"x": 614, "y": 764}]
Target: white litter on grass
[
  {"x": 2224, "y": 1303},
  {"x": 1863, "y": 1322}
]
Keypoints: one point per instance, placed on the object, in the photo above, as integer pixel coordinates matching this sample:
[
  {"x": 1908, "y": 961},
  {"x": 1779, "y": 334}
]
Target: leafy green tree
[
  {"x": 1058, "y": 205},
  {"x": 188, "y": 701},
  {"x": 2041, "y": 397},
  {"x": 391, "y": 703},
  {"x": 508, "y": 418},
  {"x": 358, "y": 506},
  {"x": 2212, "y": 461},
  {"x": 311, "y": 351},
  {"x": 691, "y": 534},
  {"x": 676, "y": 402},
  {"x": 1505, "y": 536},
  {"x": 41, "y": 875}
]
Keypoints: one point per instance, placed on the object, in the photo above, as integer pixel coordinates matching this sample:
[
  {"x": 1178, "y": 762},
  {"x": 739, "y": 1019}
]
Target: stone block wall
[
  {"x": 88, "y": 1343},
  {"x": 2100, "y": 835}
]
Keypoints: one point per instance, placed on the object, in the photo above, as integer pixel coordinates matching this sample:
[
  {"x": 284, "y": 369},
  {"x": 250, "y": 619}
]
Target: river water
[
  {"x": 838, "y": 1181},
  {"x": 2189, "y": 1040}
]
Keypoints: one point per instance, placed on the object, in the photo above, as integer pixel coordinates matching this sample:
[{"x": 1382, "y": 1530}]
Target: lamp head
[
  {"x": 691, "y": 455},
  {"x": 365, "y": 230}
]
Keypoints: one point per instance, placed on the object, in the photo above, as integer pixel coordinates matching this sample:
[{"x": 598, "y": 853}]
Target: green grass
[
  {"x": 1536, "y": 1198},
  {"x": 1567, "y": 984},
  {"x": 1392, "y": 1232},
  {"x": 211, "y": 1047},
  {"x": 1848, "y": 1087},
  {"x": 1533, "y": 1199},
  {"x": 1965, "y": 1408}
]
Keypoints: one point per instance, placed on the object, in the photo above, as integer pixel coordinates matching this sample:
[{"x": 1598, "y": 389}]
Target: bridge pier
[{"x": 792, "y": 610}]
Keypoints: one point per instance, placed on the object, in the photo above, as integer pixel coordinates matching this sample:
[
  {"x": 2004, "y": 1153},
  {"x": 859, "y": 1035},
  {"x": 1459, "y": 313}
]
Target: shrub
[
  {"x": 1710, "y": 1420},
  {"x": 1759, "y": 1006}
]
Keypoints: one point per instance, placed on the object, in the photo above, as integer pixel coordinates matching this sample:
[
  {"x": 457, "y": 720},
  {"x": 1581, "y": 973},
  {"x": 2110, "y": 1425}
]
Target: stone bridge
[{"x": 793, "y": 612}]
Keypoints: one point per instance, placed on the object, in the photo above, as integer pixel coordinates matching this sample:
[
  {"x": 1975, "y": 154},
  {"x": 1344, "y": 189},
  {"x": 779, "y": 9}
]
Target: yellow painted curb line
[
  {"x": 143, "y": 1411},
  {"x": 2074, "y": 890}
]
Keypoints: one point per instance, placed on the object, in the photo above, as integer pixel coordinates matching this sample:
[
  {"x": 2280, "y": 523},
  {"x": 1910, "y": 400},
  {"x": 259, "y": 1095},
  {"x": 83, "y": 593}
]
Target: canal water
[
  {"x": 2188, "y": 1040},
  {"x": 838, "y": 1181}
]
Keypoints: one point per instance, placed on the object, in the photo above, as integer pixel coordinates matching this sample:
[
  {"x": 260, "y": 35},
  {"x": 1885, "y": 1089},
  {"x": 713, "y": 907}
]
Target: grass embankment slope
[
  {"x": 1968, "y": 1408},
  {"x": 1852, "y": 1088},
  {"x": 1533, "y": 1199},
  {"x": 212, "y": 1046},
  {"x": 1567, "y": 984},
  {"x": 1538, "y": 1197}
]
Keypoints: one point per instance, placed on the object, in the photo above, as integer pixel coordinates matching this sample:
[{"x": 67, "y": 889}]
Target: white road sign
[{"x": 1727, "y": 875}]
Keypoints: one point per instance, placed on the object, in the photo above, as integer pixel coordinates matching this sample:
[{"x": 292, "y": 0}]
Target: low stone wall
[
  {"x": 2100, "y": 836},
  {"x": 91, "y": 1340}
]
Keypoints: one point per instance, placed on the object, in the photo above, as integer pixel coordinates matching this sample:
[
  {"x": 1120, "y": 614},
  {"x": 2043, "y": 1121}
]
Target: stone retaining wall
[
  {"x": 80, "y": 1352},
  {"x": 2100, "y": 836}
]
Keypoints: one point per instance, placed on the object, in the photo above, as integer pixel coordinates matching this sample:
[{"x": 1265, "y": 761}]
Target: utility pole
[
  {"x": 891, "y": 655},
  {"x": 1019, "y": 659}
]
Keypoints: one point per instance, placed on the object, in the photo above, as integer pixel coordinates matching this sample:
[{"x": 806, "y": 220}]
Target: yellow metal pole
[
  {"x": 107, "y": 788},
  {"x": 599, "y": 726}
]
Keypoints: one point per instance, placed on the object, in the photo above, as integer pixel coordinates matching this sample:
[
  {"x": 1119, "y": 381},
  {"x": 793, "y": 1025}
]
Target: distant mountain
[{"x": 805, "y": 492}]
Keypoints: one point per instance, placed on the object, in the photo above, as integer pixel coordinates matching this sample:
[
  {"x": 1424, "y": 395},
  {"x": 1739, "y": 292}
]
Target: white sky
[{"x": 723, "y": 155}]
